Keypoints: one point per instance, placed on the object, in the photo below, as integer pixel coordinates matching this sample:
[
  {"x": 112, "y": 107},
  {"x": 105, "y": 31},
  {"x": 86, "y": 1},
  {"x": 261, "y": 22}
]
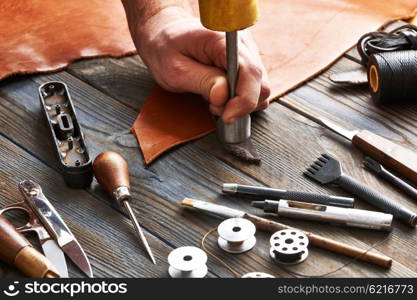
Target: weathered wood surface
[{"x": 108, "y": 94}]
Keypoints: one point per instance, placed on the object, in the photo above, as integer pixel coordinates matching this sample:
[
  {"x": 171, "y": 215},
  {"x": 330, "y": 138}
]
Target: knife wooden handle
[
  {"x": 389, "y": 154},
  {"x": 325, "y": 243},
  {"x": 16, "y": 250},
  {"x": 111, "y": 171}
]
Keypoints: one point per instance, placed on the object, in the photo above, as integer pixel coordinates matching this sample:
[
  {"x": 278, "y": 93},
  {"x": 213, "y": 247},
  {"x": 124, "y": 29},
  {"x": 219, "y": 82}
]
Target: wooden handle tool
[
  {"x": 325, "y": 243},
  {"x": 16, "y": 250},
  {"x": 230, "y": 16},
  {"x": 272, "y": 226},
  {"x": 388, "y": 153},
  {"x": 112, "y": 173}
]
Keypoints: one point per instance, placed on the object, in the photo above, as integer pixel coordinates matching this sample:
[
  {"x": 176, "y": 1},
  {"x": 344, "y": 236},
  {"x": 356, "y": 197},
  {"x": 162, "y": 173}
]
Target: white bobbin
[
  {"x": 289, "y": 246},
  {"x": 257, "y": 275},
  {"x": 236, "y": 235},
  {"x": 187, "y": 262}
]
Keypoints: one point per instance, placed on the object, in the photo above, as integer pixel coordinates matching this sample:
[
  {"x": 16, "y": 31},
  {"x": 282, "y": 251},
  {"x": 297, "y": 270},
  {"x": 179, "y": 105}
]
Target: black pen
[{"x": 276, "y": 194}]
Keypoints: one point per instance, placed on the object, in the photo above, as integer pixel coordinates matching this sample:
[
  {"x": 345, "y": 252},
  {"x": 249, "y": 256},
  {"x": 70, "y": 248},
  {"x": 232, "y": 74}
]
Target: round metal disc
[
  {"x": 198, "y": 273},
  {"x": 236, "y": 229},
  {"x": 187, "y": 259},
  {"x": 289, "y": 241},
  {"x": 303, "y": 257},
  {"x": 257, "y": 275},
  {"x": 238, "y": 248},
  {"x": 289, "y": 246}
]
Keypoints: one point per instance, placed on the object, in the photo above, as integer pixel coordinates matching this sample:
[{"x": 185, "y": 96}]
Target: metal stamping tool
[
  {"x": 112, "y": 173},
  {"x": 329, "y": 170},
  {"x": 269, "y": 193},
  {"x": 236, "y": 235},
  {"x": 257, "y": 275},
  {"x": 336, "y": 215},
  {"x": 68, "y": 139},
  {"x": 54, "y": 235},
  {"x": 289, "y": 247},
  {"x": 187, "y": 262},
  {"x": 388, "y": 176}
]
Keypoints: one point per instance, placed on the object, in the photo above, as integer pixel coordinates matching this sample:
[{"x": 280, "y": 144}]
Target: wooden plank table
[{"x": 108, "y": 93}]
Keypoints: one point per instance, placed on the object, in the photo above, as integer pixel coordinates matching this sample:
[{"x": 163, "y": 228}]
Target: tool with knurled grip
[
  {"x": 329, "y": 170},
  {"x": 230, "y": 16}
]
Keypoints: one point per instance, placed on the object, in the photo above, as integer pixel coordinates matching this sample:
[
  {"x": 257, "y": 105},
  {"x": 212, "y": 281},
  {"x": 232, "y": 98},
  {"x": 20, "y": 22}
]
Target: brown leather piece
[
  {"x": 46, "y": 35},
  {"x": 297, "y": 40},
  {"x": 169, "y": 119}
]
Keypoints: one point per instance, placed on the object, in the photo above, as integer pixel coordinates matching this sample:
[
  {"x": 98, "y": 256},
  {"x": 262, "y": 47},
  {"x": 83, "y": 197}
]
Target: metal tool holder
[
  {"x": 70, "y": 147},
  {"x": 289, "y": 247},
  {"x": 257, "y": 275},
  {"x": 236, "y": 235},
  {"x": 187, "y": 262}
]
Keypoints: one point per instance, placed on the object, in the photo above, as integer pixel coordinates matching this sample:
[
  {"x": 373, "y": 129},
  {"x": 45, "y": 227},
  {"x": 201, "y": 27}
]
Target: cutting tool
[{"x": 54, "y": 235}]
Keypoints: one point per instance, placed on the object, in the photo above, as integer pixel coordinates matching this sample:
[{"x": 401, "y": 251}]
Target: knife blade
[
  {"x": 52, "y": 251},
  {"x": 54, "y": 224}
]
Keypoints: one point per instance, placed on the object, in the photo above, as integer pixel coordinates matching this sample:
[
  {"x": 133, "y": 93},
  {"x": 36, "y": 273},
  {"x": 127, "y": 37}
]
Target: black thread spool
[{"x": 392, "y": 77}]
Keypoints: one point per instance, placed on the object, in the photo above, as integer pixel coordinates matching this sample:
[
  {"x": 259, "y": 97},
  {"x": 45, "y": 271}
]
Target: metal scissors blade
[{"x": 56, "y": 256}]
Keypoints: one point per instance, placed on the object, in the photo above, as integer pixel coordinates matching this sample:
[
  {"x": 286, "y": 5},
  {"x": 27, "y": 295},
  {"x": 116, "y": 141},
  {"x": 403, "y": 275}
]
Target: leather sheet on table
[
  {"x": 46, "y": 35},
  {"x": 297, "y": 40}
]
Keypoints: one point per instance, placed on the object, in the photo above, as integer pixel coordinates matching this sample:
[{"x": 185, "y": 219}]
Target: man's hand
[{"x": 183, "y": 56}]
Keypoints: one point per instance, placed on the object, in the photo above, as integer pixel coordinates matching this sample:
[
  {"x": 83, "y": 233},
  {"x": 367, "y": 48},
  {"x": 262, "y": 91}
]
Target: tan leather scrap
[
  {"x": 159, "y": 127},
  {"x": 46, "y": 35},
  {"x": 297, "y": 40}
]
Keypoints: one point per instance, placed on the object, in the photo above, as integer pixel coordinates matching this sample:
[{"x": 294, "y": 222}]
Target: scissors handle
[{"x": 32, "y": 224}]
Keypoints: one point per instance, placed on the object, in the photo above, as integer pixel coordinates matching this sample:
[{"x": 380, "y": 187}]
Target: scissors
[{"x": 54, "y": 235}]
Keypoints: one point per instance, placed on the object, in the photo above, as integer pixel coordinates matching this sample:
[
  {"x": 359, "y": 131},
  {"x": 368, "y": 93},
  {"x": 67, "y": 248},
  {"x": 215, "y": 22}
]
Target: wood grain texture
[
  {"x": 280, "y": 140},
  {"x": 107, "y": 94}
]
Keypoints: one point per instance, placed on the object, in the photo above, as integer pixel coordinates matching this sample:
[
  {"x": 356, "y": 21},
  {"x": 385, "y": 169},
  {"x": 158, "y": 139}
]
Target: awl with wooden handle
[
  {"x": 398, "y": 158},
  {"x": 112, "y": 173},
  {"x": 16, "y": 250},
  {"x": 230, "y": 16}
]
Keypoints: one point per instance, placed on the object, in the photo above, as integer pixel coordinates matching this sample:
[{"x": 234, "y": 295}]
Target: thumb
[{"x": 207, "y": 81}]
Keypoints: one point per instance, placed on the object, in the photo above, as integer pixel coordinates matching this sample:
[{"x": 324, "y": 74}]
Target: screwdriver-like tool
[
  {"x": 392, "y": 155},
  {"x": 112, "y": 173},
  {"x": 229, "y": 16}
]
